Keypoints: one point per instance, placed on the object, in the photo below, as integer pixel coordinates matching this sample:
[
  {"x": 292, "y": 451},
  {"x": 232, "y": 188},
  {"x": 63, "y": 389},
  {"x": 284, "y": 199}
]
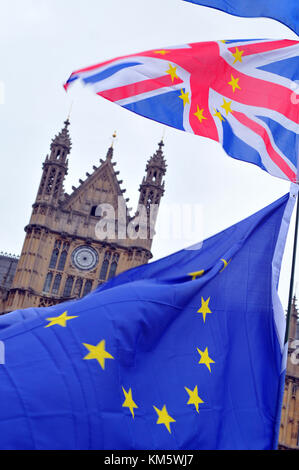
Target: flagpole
[{"x": 289, "y": 312}]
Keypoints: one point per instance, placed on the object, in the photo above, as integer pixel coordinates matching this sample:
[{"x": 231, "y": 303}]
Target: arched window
[
  {"x": 58, "y": 244},
  {"x": 68, "y": 287},
  {"x": 150, "y": 199},
  {"x": 51, "y": 181},
  {"x": 87, "y": 288},
  {"x": 54, "y": 258},
  {"x": 48, "y": 282},
  {"x": 62, "y": 261},
  {"x": 66, "y": 246},
  {"x": 105, "y": 266},
  {"x": 78, "y": 287},
  {"x": 43, "y": 181},
  {"x": 113, "y": 267},
  {"x": 56, "y": 284},
  {"x": 58, "y": 184}
]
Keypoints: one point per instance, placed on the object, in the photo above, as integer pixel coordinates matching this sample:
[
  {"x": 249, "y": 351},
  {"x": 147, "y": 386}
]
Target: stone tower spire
[
  {"x": 153, "y": 187},
  {"x": 152, "y": 190},
  {"x": 55, "y": 167}
]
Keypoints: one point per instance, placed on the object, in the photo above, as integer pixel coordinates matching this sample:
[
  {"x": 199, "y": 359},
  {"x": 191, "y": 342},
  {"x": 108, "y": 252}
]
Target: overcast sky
[{"x": 43, "y": 41}]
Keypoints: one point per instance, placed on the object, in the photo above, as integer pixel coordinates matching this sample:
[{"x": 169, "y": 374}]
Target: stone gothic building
[
  {"x": 62, "y": 256},
  {"x": 289, "y": 425}
]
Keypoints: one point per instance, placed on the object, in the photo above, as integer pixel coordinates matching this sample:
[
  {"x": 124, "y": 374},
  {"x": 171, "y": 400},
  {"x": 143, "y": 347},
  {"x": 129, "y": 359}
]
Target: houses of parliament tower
[{"x": 62, "y": 257}]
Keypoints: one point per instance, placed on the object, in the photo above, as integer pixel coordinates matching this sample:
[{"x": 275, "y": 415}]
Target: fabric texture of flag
[
  {"x": 239, "y": 93},
  {"x": 183, "y": 353},
  {"x": 287, "y": 12}
]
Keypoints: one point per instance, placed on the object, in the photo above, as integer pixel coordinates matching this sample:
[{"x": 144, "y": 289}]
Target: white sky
[{"x": 43, "y": 41}]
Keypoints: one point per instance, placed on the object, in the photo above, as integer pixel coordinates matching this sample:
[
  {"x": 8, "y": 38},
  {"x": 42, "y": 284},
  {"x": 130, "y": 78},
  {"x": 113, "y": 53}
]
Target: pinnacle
[
  {"x": 63, "y": 138},
  {"x": 158, "y": 158},
  {"x": 109, "y": 153}
]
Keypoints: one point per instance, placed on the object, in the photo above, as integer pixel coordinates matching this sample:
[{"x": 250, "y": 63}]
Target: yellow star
[
  {"x": 98, "y": 352},
  {"x": 162, "y": 52},
  {"x": 225, "y": 264},
  {"x": 196, "y": 274},
  {"x": 194, "y": 398},
  {"x": 61, "y": 321},
  {"x": 223, "y": 41},
  {"x": 172, "y": 72},
  {"x": 204, "y": 309},
  {"x": 129, "y": 403},
  {"x": 185, "y": 97},
  {"x": 237, "y": 55},
  {"x": 234, "y": 83},
  {"x": 199, "y": 114},
  {"x": 164, "y": 417},
  {"x": 205, "y": 359},
  {"x": 219, "y": 115},
  {"x": 226, "y": 106}
]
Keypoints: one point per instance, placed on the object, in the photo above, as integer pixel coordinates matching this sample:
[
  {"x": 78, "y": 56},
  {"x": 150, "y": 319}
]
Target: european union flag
[
  {"x": 286, "y": 12},
  {"x": 183, "y": 353}
]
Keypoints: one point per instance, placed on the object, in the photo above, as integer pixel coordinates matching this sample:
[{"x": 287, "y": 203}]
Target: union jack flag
[{"x": 241, "y": 93}]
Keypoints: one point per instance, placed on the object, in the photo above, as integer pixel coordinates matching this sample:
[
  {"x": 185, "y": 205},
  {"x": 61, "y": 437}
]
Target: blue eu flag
[
  {"x": 183, "y": 353},
  {"x": 286, "y": 11}
]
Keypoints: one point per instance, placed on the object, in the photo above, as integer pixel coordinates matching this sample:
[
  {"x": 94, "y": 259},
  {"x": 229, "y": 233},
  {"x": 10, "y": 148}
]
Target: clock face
[{"x": 85, "y": 258}]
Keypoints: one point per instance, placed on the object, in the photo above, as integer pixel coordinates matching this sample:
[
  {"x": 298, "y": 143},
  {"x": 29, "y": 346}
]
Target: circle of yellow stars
[
  {"x": 184, "y": 96},
  {"x": 101, "y": 355}
]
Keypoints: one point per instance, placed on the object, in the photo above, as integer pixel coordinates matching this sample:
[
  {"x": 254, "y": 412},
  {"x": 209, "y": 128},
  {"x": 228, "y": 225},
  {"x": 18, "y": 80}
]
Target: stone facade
[
  {"x": 289, "y": 425},
  {"x": 62, "y": 256},
  {"x": 8, "y": 266}
]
